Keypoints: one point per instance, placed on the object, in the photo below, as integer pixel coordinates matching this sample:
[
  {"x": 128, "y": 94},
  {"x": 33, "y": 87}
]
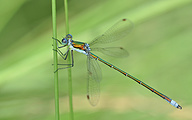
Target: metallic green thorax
[{"x": 78, "y": 43}]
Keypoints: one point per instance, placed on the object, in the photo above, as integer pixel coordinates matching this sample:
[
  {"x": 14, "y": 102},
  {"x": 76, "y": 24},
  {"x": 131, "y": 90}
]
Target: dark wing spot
[
  {"x": 124, "y": 19},
  {"x": 88, "y": 97}
]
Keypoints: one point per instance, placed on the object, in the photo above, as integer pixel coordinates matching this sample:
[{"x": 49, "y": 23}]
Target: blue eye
[
  {"x": 64, "y": 41},
  {"x": 69, "y": 36}
]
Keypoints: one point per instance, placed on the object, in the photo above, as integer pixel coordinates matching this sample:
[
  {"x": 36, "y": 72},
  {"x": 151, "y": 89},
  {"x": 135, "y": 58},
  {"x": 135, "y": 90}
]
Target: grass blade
[
  {"x": 55, "y": 60},
  {"x": 69, "y": 62}
]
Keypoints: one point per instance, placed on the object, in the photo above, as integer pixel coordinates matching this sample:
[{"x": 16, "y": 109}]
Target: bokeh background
[{"x": 160, "y": 54}]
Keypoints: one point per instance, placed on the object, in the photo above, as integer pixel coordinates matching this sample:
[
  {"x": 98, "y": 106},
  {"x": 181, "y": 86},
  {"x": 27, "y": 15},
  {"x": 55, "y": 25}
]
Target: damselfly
[{"x": 115, "y": 33}]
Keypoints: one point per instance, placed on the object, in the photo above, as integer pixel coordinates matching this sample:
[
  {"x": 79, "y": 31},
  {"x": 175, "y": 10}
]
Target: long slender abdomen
[{"x": 169, "y": 100}]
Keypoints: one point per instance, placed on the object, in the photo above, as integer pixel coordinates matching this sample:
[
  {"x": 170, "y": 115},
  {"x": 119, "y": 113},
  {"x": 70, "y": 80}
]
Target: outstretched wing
[
  {"x": 94, "y": 78},
  {"x": 112, "y": 51},
  {"x": 116, "y": 32}
]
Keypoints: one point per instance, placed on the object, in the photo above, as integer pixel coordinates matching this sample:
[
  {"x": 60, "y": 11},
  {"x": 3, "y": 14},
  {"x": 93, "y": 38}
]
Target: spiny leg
[
  {"x": 61, "y": 53},
  {"x": 64, "y": 56},
  {"x": 69, "y": 65},
  {"x": 57, "y": 43},
  {"x": 56, "y": 40}
]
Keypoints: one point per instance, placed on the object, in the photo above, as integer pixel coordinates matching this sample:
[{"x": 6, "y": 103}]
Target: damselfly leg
[{"x": 63, "y": 55}]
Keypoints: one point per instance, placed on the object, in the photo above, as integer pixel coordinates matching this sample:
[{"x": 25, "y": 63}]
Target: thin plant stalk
[
  {"x": 55, "y": 60},
  {"x": 69, "y": 62}
]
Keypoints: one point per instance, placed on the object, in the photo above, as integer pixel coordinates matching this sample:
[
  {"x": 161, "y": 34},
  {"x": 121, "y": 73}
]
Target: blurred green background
[{"x": 160, "y": 55}]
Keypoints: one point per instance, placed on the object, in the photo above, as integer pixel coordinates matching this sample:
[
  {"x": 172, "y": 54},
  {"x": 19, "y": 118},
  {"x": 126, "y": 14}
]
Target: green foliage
[{"x": 159, "y": 48}]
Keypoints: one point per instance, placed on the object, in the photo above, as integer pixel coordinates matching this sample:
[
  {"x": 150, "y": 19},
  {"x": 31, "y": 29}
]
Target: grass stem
[
  {"x": 55, "y": 60},
  {"x": 69, "y": 62}
]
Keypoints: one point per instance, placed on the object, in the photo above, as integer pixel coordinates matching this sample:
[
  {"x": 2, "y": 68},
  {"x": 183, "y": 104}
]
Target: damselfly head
[{"x": 64, "y": 41}]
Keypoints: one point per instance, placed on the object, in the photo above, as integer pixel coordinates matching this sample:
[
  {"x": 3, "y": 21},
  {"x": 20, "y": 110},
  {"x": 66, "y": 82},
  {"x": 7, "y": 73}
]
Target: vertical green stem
[
  {"x": 66, "y": 17},
  {"x": 69, "y": 62},
  {"x": 55, "y": 60}
]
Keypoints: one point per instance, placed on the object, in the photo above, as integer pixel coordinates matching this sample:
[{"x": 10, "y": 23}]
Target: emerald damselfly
[{"x": 115, "y": 33}]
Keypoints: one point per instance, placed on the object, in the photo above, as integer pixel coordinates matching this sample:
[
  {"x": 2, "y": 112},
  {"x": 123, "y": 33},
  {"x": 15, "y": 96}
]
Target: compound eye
[
  {"x": 64, "y": 41},
  {"x": 69, "y": 36}
]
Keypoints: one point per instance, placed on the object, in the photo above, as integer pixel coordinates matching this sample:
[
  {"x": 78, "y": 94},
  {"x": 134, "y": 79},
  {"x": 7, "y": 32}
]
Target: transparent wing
[
  {"x": 112, "y": 51},
  {"x": 94, "y": 78},
  {"x": 116, "y": 32}
]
